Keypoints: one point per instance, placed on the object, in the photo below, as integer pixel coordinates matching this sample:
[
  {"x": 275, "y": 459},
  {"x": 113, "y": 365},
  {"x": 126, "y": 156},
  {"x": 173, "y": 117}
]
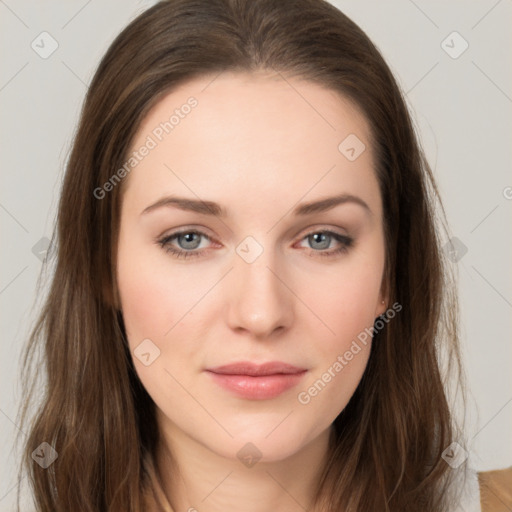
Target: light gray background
[{"x": 461, "y": 106}]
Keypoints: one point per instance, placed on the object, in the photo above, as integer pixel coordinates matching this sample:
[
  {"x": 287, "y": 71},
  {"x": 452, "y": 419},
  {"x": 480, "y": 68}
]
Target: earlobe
[
  {"x": 383, "y": 296},
  {"x": 381, "y": 309}
]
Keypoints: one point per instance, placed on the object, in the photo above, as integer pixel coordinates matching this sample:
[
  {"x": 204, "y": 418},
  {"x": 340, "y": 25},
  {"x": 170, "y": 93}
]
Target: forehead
[
  {"x": 256, "y": 133},
  {"x": 259, "y": 102}
]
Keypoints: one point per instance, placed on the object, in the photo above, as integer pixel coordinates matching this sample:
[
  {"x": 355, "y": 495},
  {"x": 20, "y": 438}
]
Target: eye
[
  {"x": 321, "y": 240},
  {"x": 188, "y": 240}
]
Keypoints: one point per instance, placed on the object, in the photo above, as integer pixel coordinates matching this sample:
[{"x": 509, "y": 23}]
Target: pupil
[
  {"x": 189, "y": 240},
  {"x": 321, "y": 238}
]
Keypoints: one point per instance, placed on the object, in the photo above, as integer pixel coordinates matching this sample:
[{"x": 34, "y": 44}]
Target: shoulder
[{"x": 496, "y": 490}]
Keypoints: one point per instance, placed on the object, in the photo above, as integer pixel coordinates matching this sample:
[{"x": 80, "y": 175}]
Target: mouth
[{"x": 257, "y": 382}]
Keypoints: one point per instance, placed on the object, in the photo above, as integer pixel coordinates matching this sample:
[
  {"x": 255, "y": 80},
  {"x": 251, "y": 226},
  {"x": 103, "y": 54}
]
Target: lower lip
[{"x": 261, "y": 387}]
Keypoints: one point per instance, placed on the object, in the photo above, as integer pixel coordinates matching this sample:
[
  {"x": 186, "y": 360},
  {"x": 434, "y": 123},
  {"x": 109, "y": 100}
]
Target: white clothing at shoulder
[{"x": 468, "y": 490}]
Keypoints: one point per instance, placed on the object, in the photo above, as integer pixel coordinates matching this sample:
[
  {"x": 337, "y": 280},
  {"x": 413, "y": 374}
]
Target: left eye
[
  {"x": 189, "y": 241},
  {"x": 322, "y": 240}
]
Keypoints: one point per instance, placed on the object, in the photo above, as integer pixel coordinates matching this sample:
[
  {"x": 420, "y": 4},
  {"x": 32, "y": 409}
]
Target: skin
[{"x": 259, "y": 146}]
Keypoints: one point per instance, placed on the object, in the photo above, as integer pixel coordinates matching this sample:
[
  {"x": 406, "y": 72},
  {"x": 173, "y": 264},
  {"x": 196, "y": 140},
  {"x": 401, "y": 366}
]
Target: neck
[{"x": 196, "y": 479}]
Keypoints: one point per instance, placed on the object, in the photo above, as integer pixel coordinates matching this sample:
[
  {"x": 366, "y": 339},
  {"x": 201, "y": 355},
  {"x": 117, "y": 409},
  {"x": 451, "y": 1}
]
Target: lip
[{"x": 257, "y": 382}]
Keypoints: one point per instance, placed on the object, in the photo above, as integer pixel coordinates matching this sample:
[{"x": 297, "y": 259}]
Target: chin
[{"x": 268, "y": 441}]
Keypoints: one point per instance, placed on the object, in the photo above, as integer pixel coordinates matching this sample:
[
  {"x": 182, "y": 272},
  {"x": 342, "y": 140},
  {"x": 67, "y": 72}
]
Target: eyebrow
[{"x": 212, "y": 208}]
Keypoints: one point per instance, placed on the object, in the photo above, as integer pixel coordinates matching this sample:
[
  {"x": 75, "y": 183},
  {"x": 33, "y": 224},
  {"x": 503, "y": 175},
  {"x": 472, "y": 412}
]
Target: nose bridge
[{"x": 259, "y": 301}]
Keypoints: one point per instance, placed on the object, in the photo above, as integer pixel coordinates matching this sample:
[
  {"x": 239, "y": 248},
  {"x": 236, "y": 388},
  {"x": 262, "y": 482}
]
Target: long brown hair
[{"x": 387, "y": 444}]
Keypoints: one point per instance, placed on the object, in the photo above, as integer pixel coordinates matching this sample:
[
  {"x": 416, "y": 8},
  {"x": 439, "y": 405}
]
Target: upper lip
[{"x": 249, "y": 368}]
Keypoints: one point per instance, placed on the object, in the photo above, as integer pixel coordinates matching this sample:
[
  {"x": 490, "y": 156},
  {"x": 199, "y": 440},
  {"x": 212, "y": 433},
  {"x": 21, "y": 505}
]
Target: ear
[{"x": 383, "y": 301}]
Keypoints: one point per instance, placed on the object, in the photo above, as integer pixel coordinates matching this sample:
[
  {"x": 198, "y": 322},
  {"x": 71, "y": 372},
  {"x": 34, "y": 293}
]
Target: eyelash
[{"x": 345, "y": 241}]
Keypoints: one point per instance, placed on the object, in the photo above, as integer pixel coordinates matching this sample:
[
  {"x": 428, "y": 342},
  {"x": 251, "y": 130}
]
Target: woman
[{"x": 249, "y": 301}]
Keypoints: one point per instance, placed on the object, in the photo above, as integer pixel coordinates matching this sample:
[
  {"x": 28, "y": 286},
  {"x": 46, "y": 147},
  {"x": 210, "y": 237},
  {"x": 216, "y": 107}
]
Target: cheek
[
  {"x": 155, "y": 294},
  {"x": 143, "y": 296},
  {"x": 155, "y": 298},
  {"x": 346, "y": 303},
  {"x": 341, "y": 355},
  {"x": 162, "y": 302}
]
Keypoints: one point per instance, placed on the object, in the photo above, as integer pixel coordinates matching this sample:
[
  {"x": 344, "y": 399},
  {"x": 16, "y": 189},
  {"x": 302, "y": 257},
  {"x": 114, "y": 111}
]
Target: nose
[{"x": 260, "y": 300}]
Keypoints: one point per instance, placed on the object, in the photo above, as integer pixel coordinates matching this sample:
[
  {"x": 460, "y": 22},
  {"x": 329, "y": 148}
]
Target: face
[{"x": 276, "y": 271}]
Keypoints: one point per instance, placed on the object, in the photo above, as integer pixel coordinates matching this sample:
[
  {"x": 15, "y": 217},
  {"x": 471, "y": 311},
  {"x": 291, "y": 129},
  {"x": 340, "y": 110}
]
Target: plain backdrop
[{"x": 458, "y": 88}]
